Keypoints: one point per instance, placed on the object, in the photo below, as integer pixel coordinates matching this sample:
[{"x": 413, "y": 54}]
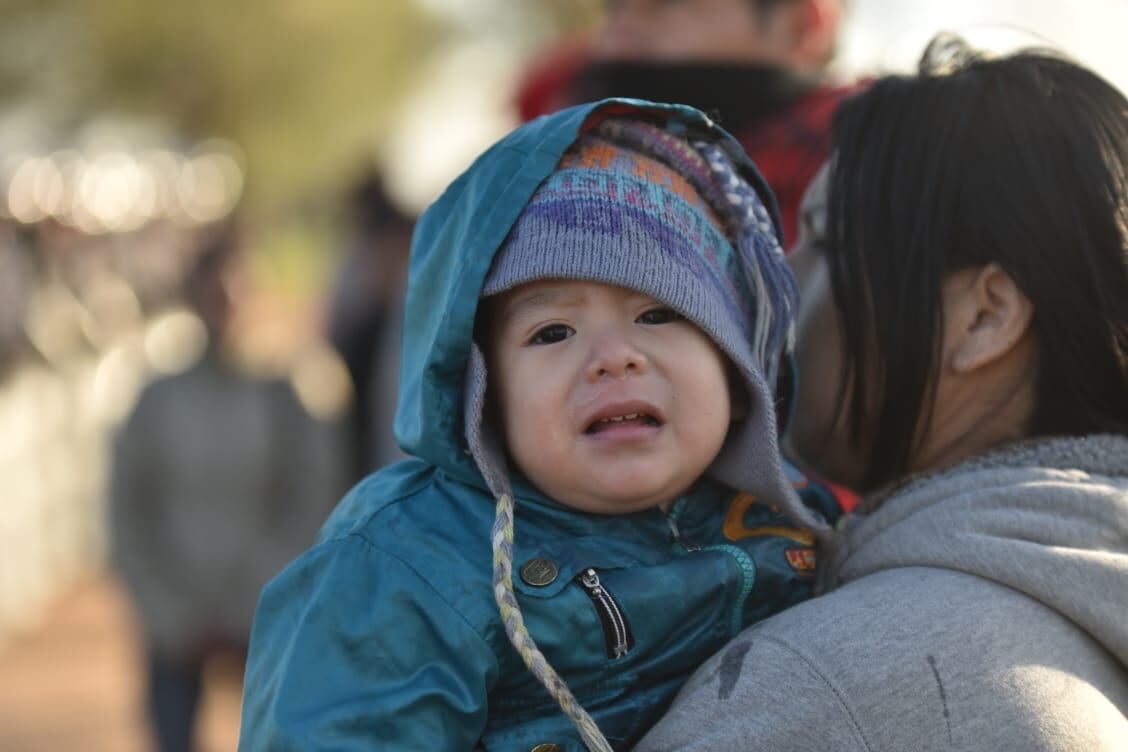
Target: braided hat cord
[{"x": 518, "y": 633}]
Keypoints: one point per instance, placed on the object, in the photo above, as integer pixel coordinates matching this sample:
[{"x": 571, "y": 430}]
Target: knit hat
[{"x": 634, "y": 205}]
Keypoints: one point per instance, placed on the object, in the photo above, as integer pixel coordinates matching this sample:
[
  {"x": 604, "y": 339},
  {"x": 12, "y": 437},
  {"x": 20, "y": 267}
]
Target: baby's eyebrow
[{"x": 539, "y": 299}]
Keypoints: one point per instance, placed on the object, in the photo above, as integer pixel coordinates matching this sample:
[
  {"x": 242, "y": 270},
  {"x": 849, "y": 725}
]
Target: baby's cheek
[{"x": 532, "y": 434}]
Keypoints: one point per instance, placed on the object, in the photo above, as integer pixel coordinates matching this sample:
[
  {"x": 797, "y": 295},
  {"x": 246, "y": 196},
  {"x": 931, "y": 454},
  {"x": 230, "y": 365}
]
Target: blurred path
[{"x": 75, "y": 681}]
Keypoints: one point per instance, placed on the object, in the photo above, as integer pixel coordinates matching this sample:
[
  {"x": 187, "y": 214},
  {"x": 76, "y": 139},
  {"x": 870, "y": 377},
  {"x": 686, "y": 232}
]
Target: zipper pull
[
  {"x": 591, "y": 580},
  {"x": 676, "y": 535},
  {"x": 617, "y": 635}
]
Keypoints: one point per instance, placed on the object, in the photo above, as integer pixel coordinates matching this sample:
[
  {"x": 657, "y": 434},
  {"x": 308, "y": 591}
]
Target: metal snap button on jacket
[
  {"x": 540, "y": 572},
  {"x": 546, "y": 747}
]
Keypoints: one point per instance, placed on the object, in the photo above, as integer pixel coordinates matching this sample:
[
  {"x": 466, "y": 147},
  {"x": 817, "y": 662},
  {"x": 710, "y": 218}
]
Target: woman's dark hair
[{"x": 1021, "y": 161}]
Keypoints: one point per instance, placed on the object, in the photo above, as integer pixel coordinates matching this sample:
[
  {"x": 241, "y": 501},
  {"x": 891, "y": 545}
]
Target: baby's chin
[{"x": 617, "y": 499}]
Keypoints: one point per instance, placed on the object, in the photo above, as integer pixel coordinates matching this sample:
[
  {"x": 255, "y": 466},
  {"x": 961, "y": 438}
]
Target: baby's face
[{"x": 610, "y": 402}]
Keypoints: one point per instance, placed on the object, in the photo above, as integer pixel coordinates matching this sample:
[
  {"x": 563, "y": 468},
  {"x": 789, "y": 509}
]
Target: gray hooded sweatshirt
[{"x": 981, "y": 608}]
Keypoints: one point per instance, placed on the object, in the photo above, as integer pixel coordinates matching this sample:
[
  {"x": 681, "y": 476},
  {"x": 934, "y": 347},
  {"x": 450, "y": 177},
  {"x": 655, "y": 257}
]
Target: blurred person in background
[
  {"x": 366, "y": 318},
  {"x": 962, "y": 349},
  {"x": 215, "y": 487},
  {"x": 757, "y": 66},
  {"x": 17, "y": 281}
]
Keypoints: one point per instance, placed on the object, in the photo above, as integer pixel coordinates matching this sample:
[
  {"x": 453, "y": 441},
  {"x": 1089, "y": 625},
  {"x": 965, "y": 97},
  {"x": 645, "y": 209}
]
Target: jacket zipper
[{"x": 617, "y": 636}]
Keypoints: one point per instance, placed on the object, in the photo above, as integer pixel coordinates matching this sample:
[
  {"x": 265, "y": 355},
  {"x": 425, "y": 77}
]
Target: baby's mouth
[{"x": 621, "y": 421}]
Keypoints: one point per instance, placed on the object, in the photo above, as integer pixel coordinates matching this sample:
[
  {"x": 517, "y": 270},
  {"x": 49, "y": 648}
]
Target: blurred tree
[
  {"x": 43, "y": 56},
  {"x": 301, "y": 85}
]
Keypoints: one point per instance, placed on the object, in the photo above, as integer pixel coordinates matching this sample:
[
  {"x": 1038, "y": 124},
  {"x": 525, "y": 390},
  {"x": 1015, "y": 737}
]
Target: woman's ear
[{"x": 986, "y": 316}]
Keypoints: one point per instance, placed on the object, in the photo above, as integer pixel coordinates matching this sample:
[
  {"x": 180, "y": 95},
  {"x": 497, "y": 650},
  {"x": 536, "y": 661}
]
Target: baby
[{"x": 596, "y": 315}]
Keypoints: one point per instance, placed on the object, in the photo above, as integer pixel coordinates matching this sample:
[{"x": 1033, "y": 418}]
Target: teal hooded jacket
[{"x": 385, "y": 635}]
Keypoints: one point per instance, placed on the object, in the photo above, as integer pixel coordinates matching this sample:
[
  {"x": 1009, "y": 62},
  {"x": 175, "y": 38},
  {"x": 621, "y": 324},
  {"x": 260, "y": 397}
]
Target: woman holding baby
[{"x": 963, "y": 360}]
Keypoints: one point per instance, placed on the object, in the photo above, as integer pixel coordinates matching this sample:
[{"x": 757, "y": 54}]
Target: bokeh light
[{"x": 118, "y": 190}]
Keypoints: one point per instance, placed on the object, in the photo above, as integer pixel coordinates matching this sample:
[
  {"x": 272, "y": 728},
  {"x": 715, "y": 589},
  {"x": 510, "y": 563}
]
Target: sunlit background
[{"x": 129, "y": 129}]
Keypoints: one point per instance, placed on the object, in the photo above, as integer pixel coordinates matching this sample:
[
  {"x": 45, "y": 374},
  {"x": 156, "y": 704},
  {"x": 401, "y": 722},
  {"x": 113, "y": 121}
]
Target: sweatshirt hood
[
  {"x": 453, "y": 246},
  {"x": 1047, "y": 517}
]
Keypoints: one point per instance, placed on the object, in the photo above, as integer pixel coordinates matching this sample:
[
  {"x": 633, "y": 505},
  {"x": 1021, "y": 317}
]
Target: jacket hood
[
  {"x": 1047, "y": 517},
  {"x": 452, "y": 249}
]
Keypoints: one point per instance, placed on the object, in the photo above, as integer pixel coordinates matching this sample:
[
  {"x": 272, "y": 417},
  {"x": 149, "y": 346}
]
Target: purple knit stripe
[
  {"x": 606, "y": 218},
  {"x": 615, "y": 189}
]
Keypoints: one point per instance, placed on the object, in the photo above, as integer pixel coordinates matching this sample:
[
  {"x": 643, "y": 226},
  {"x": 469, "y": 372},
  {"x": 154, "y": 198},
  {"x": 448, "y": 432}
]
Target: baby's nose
[{"x": 615, "y": 356}]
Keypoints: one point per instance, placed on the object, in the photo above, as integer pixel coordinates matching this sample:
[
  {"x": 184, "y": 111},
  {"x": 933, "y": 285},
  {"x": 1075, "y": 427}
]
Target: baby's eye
[
  {"x": 551, "y": 334},
  {"x": 660, "y": 316}
]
